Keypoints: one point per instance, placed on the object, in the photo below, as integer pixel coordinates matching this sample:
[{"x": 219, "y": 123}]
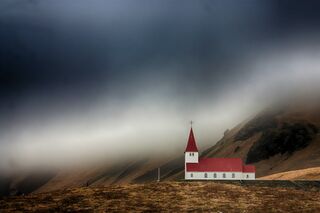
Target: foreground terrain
[{"x": 170, "y": 196}]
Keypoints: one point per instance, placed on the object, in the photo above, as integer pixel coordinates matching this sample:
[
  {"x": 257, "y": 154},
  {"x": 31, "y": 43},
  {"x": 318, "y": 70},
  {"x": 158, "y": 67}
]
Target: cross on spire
[{"x": 191, "y": 122}]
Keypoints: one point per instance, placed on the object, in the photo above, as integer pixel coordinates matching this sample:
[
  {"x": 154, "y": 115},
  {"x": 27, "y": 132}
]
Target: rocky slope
[{"x": 275, "y": 141}]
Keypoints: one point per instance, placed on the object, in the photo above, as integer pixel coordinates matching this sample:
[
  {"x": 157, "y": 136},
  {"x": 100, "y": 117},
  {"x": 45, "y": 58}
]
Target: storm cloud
[{"x": 110, "y": 78}]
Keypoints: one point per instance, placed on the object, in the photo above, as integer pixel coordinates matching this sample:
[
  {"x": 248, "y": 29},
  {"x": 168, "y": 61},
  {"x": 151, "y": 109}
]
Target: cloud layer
[{"x": 85, "y": 81}]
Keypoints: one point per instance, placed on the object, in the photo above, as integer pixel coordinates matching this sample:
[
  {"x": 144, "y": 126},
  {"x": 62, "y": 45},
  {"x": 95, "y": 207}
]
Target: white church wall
[
  {"x": 249, "y": 176},
  {"x": 213, "y": 175},
  {"x": 191, "y": 157}
]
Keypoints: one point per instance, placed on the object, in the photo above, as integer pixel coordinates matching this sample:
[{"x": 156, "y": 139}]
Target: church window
[
  {"x": 215, "y": 175},
  {"x": 224, "y": 175},
  {"x": 233, "y": 175},
  {"x": 247, "y": 176},
  {"x": 205, "y": 175}
]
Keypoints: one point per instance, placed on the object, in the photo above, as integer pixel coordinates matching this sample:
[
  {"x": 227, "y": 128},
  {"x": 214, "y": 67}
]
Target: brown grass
[
  {"x": 301, "y": 174},
  {"x": 168, "y": 197}
]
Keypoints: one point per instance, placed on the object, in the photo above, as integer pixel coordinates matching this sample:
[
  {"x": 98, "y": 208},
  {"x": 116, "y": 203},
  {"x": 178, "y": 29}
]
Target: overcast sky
[{"x": 112, "y": 78}]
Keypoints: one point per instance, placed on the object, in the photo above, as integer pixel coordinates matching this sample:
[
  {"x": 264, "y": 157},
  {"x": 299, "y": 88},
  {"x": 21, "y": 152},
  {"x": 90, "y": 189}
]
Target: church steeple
[{"x": 191, "y": 146}]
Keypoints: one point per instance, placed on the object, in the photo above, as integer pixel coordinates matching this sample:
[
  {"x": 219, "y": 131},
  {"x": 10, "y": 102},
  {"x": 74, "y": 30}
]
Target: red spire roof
[{"x": 191, "y": 146}]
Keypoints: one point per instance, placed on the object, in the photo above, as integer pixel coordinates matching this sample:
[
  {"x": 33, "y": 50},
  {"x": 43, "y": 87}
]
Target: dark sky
[
  {"x": 98, "y": 63},
  {"x": 52, "y": 47}
]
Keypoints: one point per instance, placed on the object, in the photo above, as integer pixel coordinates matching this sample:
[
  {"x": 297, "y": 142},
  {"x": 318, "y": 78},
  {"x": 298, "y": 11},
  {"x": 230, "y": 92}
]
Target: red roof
[
  {"x": 219, "y": 165},
  {"x": 249, "y": 168},
  {"x": 191, "y": 146}
]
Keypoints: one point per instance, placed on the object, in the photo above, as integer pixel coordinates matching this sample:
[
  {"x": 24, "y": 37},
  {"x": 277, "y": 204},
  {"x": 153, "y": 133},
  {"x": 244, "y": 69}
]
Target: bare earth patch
[{"x": 169, "y": 197}]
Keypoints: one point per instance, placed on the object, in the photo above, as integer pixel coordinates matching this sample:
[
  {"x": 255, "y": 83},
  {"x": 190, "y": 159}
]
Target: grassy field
[{"x": 169, "y": 197}]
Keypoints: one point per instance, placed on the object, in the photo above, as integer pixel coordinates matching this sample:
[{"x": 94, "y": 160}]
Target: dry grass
[
  {"x": 301, "y": 174},
  {"x": 168, "y": 197}
]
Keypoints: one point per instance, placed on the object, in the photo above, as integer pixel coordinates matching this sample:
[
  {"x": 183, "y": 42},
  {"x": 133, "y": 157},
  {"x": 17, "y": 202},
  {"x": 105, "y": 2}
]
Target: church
[{"x": 197, "y": 168}]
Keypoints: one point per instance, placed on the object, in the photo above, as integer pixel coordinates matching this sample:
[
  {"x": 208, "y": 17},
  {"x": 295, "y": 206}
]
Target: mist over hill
[
  {"x": 279, "y": 139},
  {"x": 102, "y": 92}
]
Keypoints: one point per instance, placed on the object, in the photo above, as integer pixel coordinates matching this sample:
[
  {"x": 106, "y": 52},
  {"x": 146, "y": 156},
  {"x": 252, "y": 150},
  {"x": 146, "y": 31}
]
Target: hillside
[
  {"x": 169, "y": 196},
  {"x": 301, "y": 174},
  {"x": 275, "y": 141}
]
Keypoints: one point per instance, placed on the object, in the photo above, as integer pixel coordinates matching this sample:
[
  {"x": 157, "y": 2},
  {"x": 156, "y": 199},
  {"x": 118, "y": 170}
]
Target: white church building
[{"x": 214, "y": 168}]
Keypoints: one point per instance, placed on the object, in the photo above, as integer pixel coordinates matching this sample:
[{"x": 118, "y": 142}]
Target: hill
[
  {"x": 168, "y": 196},
  {"x": 275, "y": 141}
]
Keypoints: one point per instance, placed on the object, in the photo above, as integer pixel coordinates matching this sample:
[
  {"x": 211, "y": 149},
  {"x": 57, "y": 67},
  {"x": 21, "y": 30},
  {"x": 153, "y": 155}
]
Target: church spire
[{"x": 191, "y": 146}]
